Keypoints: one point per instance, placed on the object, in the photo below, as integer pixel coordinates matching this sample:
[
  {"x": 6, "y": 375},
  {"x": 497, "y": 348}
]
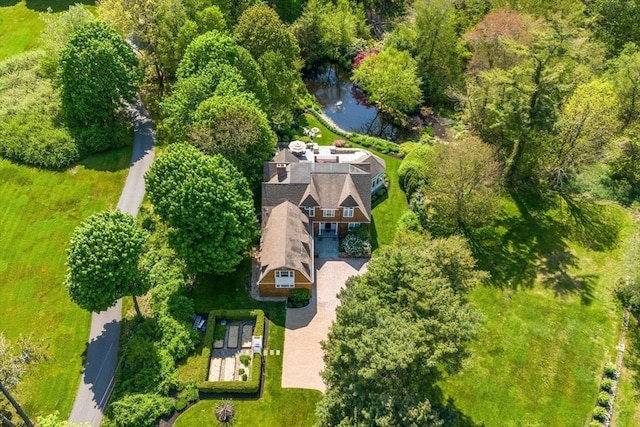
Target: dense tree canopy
[
  {"x": 213, "y": 64},
  {"x": 461, "y": 185},
  {"x": 396, "y": 327},
  {"x": 98, "y": 73},
  {"x": 236, "y": 128},
  {"x": 208, "y": 205},
  {"x": 391, "y": 80},
  {"x": 276, "y": 50},
  {"x": 102, "y": 260}
]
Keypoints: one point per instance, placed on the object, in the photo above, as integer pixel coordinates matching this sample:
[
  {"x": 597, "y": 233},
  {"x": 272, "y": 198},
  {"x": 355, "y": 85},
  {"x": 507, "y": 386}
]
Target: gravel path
[{"x": 102, "y": 350}]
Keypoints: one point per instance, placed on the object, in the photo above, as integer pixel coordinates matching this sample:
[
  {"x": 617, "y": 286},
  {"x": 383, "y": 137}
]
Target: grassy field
[
  {"x": 20, "y": 25},
  {"x": 38, "y": 211},
  {"x": 550, "y": 321},
  {"x": 386, "y": 213},
  {"x": 278, "y": 406}
]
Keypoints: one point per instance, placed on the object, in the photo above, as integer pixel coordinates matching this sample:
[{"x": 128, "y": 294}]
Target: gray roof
[
  {"x": 286, "y": 241},
  {"x": 324, "y": 185},
  {"x": 377, "y": 165}
]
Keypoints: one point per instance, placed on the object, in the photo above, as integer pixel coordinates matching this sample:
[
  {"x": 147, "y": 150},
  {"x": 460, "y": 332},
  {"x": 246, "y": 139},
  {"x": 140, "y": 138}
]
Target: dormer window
[
  {"x": 348, "y": 212},
  {"x": 328, "y": 213},
  {"x": 311, "y": 212}
]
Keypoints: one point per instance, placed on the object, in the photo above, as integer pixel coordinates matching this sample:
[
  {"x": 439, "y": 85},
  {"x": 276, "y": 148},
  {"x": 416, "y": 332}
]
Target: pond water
[{"x": 346, "y": 104}]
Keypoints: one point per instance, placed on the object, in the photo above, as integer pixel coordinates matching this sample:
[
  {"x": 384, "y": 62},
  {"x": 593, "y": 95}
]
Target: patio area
[{"x": 326, "y": 247}]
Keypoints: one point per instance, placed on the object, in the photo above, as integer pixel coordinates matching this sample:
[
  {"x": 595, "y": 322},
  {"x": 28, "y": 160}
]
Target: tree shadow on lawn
[
  {"x": 56, "y": 6},
  {"x": 8, "y": 3},
  {"x": 530, "y": 245}
]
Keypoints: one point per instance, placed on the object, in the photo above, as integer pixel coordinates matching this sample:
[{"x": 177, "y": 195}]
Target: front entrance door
[{"x": 328, "y": 228}]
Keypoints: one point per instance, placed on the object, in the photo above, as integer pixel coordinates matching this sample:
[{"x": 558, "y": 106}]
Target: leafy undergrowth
[
  {"x": 38, "y": 212},
  {"x": 278, "y": 406},
  {"x": 550, "y": 319}
]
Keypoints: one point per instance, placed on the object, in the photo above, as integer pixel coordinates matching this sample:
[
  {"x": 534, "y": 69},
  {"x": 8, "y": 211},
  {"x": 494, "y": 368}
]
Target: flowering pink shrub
[
  {"x": 362, "y": 55},
  {"x": 338, "y": 143}
]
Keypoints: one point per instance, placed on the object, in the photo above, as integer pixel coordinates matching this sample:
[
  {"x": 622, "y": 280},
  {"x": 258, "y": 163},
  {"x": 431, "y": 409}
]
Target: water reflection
[{"x": 346, "y": 104}]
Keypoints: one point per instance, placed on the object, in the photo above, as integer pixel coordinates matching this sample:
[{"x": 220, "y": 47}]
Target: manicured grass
[
  {"x": 20, "y": 25},
  {"x": 277, "y": 406},
  {"x": 626, "y": 410},
  {"x": 549, "y": 330},
  {"x": 387, "y": 212},
  {"x": 38, "y": 211}
]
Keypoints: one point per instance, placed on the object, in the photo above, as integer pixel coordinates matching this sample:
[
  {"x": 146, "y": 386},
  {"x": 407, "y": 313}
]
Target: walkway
[
  {"x": 102, "y": 351},
  {"x": 306, "y": 327}
]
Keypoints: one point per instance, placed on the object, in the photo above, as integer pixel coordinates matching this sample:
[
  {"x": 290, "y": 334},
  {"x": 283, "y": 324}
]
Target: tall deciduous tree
[
  {"x": 624, "y": 75},
  {"x": 236, "y": 128},
  {"x": 391, "y": 80},
  {"x": 587, "y": 126},
  {"x": 208, "y": 205},
  {"x": 98, "y": 71},
  {"x": 396, "y": 327},
  {"x": 276, "y": 50},
  {"x": 461, "y": 190},
  {"x": 514, "y": 108},
  {"x": 102, "y": 261}
]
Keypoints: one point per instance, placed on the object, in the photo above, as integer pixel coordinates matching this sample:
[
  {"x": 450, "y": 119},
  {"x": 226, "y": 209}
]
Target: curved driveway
[{"x": 102, "y": 350}]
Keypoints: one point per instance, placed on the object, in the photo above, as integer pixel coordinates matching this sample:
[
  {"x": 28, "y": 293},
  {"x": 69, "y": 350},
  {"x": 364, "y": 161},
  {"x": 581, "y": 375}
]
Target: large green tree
[
  {"x": 208, "y": 205},
  {"x": 429, "y": 34},
  {"x": 276, "y": 50},
  {"x": 236, "y": 128},
  {"x": 213, "y": 64},
  {"x": 515, "y": 107},
  {"x": 391, "y": 80},
  {"x": 587, "y": 126},
  {"x": 461, "y": 185},
  {"x": 397, "y": 326},
  {"x": 624, "y": 74},
  {"x": 102, "y": 261},
  {"x": 98, "y": 72},
  {"x": 328, "y": 30}
]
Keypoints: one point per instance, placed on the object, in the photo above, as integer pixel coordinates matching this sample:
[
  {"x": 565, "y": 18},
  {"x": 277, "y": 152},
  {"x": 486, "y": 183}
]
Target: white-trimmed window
[
  {"x": 328, "y": 213},
  {"x": 285, "y": 279},
  {"x": 348, "y": 212},
  {"x": 353, "y": 225},
  {"x": 311, "y": 212}
]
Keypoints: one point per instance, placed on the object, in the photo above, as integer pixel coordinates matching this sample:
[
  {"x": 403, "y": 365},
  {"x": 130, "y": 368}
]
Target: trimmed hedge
[
  {"x": 378, "y": 144},
  {"x": 253, "y": 384}
]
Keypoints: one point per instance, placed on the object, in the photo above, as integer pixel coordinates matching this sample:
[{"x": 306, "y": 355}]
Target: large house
[{"x": 316, "y": 193}]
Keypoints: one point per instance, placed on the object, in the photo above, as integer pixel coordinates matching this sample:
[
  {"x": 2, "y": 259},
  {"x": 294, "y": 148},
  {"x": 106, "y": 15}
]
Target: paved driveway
[{"x": 306, "y": 327}]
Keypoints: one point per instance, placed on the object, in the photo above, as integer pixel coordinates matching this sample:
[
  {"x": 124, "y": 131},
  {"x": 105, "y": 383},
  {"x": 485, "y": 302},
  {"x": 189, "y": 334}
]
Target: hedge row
[
  {"x": 253, "y": 384},
  {"x": 378, "y": 144}
]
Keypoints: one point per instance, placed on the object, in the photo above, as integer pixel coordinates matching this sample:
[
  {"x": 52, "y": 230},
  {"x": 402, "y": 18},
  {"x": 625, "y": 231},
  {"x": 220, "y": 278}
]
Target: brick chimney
[{"x": 281, "y": 171}]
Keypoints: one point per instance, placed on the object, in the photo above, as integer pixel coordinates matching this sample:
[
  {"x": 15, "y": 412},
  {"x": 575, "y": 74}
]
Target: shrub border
[{"x": 252, "y": 385}]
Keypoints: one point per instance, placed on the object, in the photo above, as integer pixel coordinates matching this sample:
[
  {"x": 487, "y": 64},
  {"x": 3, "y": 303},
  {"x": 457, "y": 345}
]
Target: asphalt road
[{"x": 102, "y": 350}]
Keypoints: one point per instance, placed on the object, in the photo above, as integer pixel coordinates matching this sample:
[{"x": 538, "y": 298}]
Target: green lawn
[
  {"x": 38, "y": 211},
  {"x": 386, "y": 213},
  {"x": 627, "y": 405},
  {"x": 550, "y": 322},
  {"x": 20, "y": 25},
  {"x": 278, "y": 406}
]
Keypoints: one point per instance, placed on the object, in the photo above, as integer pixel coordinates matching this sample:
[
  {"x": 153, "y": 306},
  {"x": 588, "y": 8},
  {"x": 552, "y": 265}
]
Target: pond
[{"x": 346, "y": 104}]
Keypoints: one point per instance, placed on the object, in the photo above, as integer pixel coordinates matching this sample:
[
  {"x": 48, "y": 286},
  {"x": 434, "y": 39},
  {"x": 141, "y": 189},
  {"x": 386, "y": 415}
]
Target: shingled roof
[{"x": 286, "y": 241}]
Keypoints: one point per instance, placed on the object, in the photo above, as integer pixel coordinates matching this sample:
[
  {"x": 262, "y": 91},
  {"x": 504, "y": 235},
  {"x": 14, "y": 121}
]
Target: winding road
[{"x": 102, "y": 350}]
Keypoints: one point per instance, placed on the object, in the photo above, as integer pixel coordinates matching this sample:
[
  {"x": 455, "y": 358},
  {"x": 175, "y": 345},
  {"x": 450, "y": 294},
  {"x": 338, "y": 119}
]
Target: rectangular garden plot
[{"x": 247, "y": 333}]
